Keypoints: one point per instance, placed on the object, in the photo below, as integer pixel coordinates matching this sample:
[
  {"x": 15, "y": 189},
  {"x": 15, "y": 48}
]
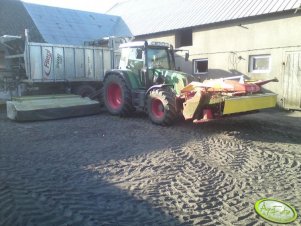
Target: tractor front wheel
[
  {"x": 161, "y": 106},
  {"x": 117, "y": 96}
]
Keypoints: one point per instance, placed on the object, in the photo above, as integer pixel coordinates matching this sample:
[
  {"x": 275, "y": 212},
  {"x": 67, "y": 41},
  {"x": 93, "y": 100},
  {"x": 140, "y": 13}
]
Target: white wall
[{"x": 229, "y": 46}]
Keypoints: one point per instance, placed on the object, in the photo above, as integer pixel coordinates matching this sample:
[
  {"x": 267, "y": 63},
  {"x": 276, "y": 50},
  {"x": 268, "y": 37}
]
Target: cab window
[{"x": 158, "y": 58}]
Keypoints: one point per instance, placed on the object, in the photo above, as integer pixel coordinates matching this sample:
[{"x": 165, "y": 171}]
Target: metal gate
[{"x": 292, "y": 81}]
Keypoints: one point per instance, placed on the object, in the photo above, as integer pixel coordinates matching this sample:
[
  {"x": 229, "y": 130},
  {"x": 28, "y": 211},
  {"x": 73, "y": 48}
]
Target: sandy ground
[{"x": 105, "y": 170}]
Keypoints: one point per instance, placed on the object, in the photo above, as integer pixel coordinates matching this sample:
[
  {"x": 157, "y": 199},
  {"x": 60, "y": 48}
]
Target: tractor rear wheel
[
  {"x": 117, "y": 96},
  {"x": 161, "y": 106}
]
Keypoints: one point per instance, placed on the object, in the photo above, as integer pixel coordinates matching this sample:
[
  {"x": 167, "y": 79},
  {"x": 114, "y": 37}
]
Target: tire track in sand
[
  {"x": 262, "y": 169},
  {"x": 214, "y": 180},
  {"x": 187, "y": 188},
  {"x": 88, "y": 201}
]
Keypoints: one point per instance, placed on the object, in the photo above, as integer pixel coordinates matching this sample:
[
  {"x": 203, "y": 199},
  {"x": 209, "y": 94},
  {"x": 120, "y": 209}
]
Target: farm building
[
  {"x": 258, "y": 39},
  {"x": 57, "y": 25},
  {"x": 59, "y": 56}
]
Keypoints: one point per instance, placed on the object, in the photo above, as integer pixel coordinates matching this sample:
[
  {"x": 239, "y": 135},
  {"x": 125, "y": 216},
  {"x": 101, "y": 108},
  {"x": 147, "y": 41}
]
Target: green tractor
[{"x": 146, "y": 80}]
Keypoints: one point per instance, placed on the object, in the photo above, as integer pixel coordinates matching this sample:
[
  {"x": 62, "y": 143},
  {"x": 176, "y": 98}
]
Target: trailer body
[
  {"x": 29, "y": 68},
  {"x": 54, "y": 63}
]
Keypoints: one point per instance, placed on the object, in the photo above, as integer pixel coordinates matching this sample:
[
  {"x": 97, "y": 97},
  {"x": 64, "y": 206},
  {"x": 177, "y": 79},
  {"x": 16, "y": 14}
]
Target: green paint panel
[
  {"x": 176, "y": 78},
  {"x": 133, "y": 79}
]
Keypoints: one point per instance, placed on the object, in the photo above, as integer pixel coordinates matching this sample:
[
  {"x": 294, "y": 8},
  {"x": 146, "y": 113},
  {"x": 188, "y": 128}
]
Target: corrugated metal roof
[
  {"x": 153, "y": 16},
  {"x": 73, "y": 27}
]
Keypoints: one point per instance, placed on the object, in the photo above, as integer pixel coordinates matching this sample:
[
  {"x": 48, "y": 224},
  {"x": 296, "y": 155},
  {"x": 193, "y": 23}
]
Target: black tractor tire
[
  {"x": 84, "y": 90},
  {"x": 117, "y": 96},
  {"x": 161, "y": 106}
]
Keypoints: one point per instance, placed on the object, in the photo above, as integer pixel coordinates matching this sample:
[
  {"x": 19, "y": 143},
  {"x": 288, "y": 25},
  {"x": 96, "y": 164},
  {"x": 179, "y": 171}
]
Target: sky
[{"x": 100, "y": 6}]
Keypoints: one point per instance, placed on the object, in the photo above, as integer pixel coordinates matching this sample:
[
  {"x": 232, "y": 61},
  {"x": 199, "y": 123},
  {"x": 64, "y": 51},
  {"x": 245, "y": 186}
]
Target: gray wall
[{"x": 228, "y": 48}]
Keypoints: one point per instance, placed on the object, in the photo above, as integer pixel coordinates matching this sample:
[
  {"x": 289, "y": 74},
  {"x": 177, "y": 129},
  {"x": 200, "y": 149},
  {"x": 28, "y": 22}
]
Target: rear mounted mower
[{"x": 219, "y": 98}]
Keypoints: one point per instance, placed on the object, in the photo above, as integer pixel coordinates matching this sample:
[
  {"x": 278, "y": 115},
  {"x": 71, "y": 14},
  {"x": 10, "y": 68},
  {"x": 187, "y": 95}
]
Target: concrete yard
[{"x": 106, "y": 170}]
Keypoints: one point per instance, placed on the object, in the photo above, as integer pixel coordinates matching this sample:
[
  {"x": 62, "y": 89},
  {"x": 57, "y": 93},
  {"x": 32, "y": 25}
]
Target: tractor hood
[{"x": 176, "y": 78}]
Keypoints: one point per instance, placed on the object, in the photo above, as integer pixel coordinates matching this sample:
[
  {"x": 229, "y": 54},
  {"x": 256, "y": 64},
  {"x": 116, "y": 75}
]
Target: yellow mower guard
[{"x": 249, "y": 103}]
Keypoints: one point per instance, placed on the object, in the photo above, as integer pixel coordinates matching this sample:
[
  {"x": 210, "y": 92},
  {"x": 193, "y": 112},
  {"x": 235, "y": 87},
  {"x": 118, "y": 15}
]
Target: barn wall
[{"x": 229, "y": 47}]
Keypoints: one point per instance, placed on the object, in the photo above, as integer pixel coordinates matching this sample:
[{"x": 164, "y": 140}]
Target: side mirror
[{"x": 186, "y": 56}]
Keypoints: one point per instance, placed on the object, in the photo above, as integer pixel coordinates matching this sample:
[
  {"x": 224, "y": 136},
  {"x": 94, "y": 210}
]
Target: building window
[
  {"x": 200, "y": 66},
  {"x": 184, "y": 38},
  {"x": 260, "y": 63}
]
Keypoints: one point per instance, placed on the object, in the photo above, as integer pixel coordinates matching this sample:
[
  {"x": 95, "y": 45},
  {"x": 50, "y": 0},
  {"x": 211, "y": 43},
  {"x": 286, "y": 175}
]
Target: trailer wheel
[
  {"x": 85, "y": 90},
  {"x": 161, "y": 106},
  {"x": 117, "y": 96}
]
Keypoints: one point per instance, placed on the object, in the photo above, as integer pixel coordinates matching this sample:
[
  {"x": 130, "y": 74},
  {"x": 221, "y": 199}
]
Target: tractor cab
[
  {"x": 147, "y": 54},
  {"x": 147, "y": 61}
]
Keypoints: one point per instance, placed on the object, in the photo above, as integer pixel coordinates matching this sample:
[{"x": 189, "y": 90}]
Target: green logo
[{"x": 275, "y": 211}]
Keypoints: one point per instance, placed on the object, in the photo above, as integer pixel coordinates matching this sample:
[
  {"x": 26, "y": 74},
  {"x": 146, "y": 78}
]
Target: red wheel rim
[
  {"x": 157, "y": 108},
  {"x": 114, "y": 96}
]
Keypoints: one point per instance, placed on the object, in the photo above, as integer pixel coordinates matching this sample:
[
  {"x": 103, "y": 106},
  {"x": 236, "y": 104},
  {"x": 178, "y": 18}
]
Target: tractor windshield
[{"x": 158, "y": 58}]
